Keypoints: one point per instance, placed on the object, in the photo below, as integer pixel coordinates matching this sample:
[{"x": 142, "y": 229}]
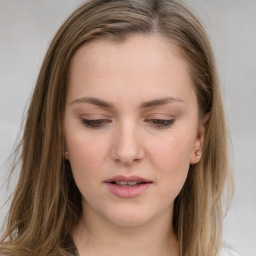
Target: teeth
[
  {"x": 122, "y": 183},
  {"x": 127, "y": 183},
  {"x": 131, "y": 183}
]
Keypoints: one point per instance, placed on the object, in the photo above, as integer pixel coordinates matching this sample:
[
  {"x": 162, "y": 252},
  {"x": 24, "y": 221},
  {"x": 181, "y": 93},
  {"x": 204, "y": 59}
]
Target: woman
[{"x": 125, "y": 145}]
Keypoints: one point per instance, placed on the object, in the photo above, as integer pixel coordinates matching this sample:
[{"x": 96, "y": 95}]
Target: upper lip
[{"x": 130, "y": 178}]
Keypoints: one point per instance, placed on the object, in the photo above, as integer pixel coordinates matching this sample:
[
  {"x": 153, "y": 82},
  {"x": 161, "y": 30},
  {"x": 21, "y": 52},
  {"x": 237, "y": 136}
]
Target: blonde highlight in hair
[{"x": 46, "y": 203}]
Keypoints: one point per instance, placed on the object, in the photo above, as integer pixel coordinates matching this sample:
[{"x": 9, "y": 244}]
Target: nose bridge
[{"x": 127, "y": 142}]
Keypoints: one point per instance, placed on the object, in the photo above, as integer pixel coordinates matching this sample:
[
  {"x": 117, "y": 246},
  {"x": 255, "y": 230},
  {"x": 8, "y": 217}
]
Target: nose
[{"x": 127, "y": 146}]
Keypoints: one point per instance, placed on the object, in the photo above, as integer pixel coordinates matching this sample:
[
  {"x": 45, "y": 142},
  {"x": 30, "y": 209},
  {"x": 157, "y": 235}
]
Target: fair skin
[{"x": 132, "y": 138}]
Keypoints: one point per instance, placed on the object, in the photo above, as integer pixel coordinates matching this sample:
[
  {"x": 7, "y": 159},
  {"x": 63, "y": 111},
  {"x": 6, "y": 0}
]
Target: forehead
[
  {"x": 146, "y": 65},
  {"x": 137, "y": 46}
]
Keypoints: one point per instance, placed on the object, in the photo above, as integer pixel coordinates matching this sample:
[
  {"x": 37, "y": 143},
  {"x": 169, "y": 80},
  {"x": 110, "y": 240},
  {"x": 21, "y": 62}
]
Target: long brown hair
[{"x": 46, "y": 203}]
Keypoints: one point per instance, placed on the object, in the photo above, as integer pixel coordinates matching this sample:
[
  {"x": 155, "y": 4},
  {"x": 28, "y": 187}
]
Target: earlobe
[
  {"x": 197, "y": 152},
  {"x": 66, "y": 155}
]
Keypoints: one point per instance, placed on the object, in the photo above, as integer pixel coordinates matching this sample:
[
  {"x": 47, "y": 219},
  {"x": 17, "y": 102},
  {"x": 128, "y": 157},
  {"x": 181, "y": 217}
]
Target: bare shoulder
[{"x": 229, "y": 252}]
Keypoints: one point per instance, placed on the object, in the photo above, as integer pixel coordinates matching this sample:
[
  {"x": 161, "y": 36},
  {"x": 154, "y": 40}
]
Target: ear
[
  {"x": 196, "y": 153},
  {"x": 66, "y": 155}
]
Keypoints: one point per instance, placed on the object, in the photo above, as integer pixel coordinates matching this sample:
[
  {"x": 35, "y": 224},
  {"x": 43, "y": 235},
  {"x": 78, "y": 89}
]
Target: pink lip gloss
[{"x": 127, "y": 191}]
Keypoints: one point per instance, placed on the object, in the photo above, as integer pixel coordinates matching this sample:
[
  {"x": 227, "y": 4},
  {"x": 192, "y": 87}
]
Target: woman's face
[{"x": 131, "y": 116}]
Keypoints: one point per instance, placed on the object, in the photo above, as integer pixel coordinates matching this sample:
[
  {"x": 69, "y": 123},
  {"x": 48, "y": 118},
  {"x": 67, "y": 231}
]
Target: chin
[{"x": 128, "y": 218}]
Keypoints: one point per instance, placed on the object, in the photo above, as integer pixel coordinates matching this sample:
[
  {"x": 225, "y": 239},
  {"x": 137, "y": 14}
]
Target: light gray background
[{"x": 26, "y": 28}]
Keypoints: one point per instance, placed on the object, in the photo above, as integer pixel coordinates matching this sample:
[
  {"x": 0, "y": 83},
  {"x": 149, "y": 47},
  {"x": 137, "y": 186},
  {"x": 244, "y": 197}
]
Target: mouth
[
  {"x": 124, "y": 181},
  {"x": 128, "y": 183},
  {"x": 127, "y": 187}
]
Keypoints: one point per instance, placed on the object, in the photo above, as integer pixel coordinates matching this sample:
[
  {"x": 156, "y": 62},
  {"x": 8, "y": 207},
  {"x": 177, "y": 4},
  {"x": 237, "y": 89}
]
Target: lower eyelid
[
  {"x": 95, "y": 122},
  {"x": 162, "y": 122}
]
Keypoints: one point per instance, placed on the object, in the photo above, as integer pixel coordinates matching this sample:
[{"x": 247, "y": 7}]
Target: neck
[{"x": 95, "y": 235}]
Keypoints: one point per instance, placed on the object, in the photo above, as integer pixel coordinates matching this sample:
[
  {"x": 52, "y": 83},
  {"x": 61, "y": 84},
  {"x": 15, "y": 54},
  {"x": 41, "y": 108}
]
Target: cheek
[
  {"x": 86, "y": 159},
  {"x": 173, "y": 151},
  {"x": 171, "y": 159},
  {"x": 86, "y": 154}
]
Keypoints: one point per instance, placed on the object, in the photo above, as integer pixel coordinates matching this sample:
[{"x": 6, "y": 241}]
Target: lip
[
  {"x": 130, "y": 178},
  {"x": 128, "y": 192}
]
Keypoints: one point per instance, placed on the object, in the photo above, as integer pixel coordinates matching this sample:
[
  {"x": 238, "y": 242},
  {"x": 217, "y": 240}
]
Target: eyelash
[
  {"x": 161, "y": 123},
  {"x": 95, "y": 123},
  {"x": 158, "y": 123}
]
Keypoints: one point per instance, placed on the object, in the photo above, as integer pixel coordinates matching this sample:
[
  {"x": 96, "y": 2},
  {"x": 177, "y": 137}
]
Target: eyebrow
[{"x": 147, "y": 104}]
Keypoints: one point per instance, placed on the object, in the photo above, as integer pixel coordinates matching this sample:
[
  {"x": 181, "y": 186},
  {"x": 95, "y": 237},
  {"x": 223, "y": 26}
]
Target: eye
[
  {"x": 95, "y": 123},
  {"x": 161, "y": 123}
]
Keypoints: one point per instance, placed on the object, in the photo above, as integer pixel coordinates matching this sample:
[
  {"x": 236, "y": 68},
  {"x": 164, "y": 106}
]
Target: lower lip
[{"x": 128, "y": 192}]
